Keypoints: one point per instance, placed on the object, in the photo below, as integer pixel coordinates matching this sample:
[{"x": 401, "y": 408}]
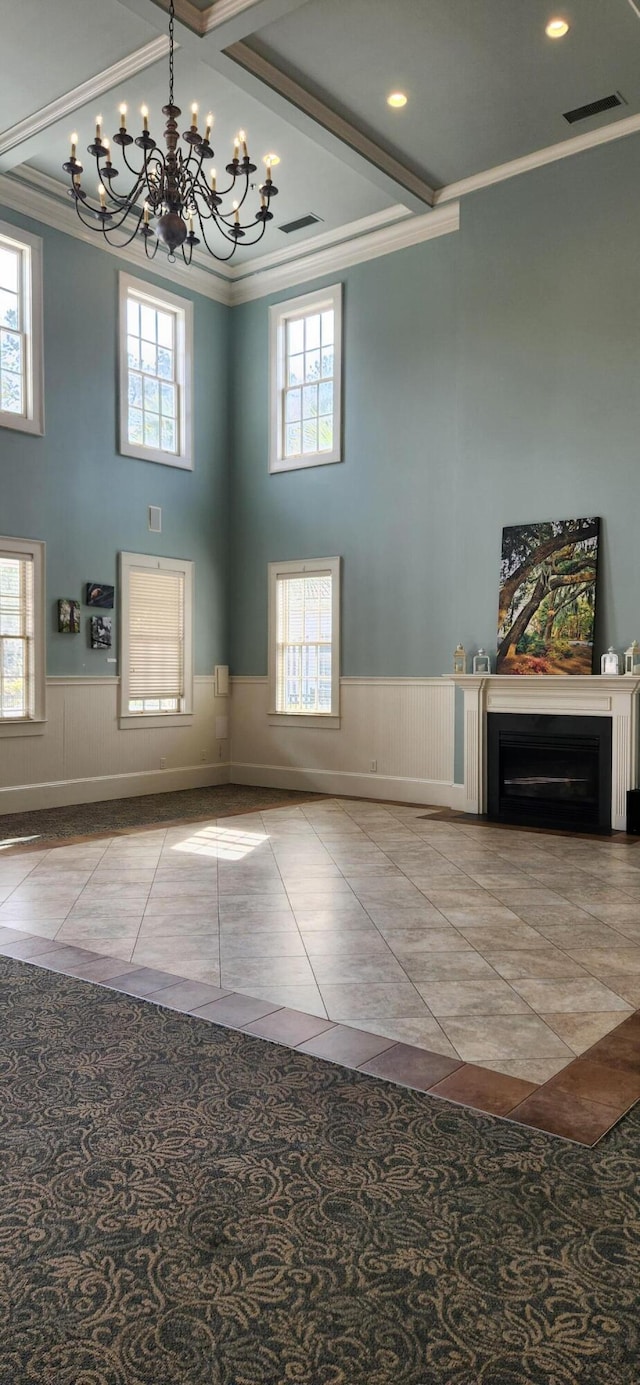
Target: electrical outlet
[
  {"x": 163, "y": 763},
  {"x": 373, "y": 766}
]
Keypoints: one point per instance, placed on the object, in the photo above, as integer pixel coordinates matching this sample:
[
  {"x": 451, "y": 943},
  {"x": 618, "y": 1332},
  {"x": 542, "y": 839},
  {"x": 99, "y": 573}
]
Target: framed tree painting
[{"x": 547, "y": 604}]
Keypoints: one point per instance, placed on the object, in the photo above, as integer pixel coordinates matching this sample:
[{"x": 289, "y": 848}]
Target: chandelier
[{"x": 170, "y": 194}]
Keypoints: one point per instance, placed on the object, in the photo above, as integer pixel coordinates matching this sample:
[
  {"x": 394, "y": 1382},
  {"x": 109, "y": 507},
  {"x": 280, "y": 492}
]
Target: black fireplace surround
[{"x": 549, "y": 771}]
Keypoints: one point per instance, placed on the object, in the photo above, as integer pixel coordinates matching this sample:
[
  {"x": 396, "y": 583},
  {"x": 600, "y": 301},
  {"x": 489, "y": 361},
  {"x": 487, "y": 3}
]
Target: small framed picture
[
  {"x": 68, "y": 617},
  {"x": 99, "y": 594},
  {"x": 100, "y": 632}
]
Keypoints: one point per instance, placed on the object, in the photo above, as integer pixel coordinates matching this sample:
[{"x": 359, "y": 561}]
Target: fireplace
[{"x": 549, "y": 771}]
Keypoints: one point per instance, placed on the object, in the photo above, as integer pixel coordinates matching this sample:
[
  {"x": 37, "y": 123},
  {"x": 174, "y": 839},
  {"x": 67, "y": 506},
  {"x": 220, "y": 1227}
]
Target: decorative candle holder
[
  {"x": 460, "y": 660},
  {"x": 610, "y": 662},
  {"x": 481, "y": 662}
]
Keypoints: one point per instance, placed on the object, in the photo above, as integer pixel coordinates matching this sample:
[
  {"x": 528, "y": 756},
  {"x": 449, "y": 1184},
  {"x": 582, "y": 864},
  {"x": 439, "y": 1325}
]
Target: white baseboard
[
  {"x": 430, "y": 792},
  {"x": 24, "y": 797}
]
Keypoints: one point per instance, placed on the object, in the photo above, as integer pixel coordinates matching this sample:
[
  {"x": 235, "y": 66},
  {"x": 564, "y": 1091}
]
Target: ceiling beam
[
  {"x": 220, "y": 48},
  {"x": 19, "y": 142},
  {"x": 288, "y": 98}
]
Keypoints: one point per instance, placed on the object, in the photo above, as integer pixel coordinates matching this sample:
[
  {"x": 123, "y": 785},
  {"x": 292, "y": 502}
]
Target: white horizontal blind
[
  {"x": 156, "y": 640},
  {"x": 17, "y": 684},
  {"x": 304, "y": 642}
]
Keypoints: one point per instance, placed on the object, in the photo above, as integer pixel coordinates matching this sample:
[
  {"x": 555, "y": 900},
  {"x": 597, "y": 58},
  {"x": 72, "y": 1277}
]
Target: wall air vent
[
  {"x": 301, "y": 223},
  {"x": 606, "y": 103}
]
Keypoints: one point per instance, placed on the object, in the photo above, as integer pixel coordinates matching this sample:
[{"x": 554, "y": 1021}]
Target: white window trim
[
  {"x": 143, "y": 720},
  {"x": 183, "y": 309},
  {"x": 30, "y": 246},
  {"x": 327, "y": 720},
  {"x": 279, "y": 315},
  {"x": 35, "y": 725}
]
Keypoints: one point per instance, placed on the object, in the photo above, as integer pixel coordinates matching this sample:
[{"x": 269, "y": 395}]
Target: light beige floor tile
[
  {"x": 481, "y": 917},
  {"x": 108, "y": 947},
  {"x": 328, "y": 942},
  {"x": 348, "y": 967},
  {"x": 123, "y": 876},
  {"x": 507, "y": 1036},
  {"x": 498, "y": 938},
  {"x": 71, "y": 879},
  {"x": 286, "y": 971},
  {"x": 580, "y": 1031},
  {"x": 480, "y": 997},
  {"x": 604, "y": 962},
  {"x": 174, "y": 954},
  {"x": 31, "y": 910},
  {"x": 539, "y": 962},
  {"x": 406, "y": 916},
  {"x": 580, "y": 996},
  {"x": 235, "y": 946},
  {"x": 428, "y": 967},
  {"x": 41, "y": 928},
  {"x": 351, "y": 1000},
  {"x": 258, "y": 923},
  {"x": 170, "y": 925},
  {"x": 571, "y": 936},
  {"x": 335, "y": 919},
  {"x": 421, "y": 1033},
  {"x": 435, "y": 940},
  {"x": 628, "y": 987},
  {"x": 529, "y": 1070},
  {"x": 96, "y": 928}
]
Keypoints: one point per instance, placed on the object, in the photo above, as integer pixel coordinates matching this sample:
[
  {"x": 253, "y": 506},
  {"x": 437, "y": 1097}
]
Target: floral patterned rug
[
  {"x": 119, "y": 814},
  {"x": 186, "y": 1205}
]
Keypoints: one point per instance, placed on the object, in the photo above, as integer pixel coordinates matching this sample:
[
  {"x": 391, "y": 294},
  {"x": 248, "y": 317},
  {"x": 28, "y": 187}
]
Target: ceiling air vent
[
  {"x": 606, "y": 103},
  {"x": 301, "y": 224}
]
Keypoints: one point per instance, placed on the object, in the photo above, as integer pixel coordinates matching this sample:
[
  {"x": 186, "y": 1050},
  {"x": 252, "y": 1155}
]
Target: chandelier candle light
[{"x": 170, "y": 187}]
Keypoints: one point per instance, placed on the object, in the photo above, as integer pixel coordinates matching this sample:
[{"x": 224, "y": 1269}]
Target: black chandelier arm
[
  {"x": 108, "y": 224},
  {"x": 222, "y": 258}
]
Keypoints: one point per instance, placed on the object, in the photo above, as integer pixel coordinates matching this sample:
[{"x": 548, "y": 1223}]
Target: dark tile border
[{"x": 581, "y": 1103}]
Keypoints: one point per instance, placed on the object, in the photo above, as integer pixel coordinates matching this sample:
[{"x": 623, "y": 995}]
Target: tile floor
[{"x": 513, "y": 950}]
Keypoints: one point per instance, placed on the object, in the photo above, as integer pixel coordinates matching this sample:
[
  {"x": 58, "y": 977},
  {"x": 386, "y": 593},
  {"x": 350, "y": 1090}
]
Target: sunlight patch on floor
[{"x": 223, "y": 843}]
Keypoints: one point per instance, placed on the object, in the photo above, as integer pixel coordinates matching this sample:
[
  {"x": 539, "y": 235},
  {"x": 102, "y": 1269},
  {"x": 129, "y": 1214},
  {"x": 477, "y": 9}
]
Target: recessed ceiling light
[
  {"x": 557, "y": 28},
  {"x": 271, "y": 159},
  {"x": 397, "y": 99}
]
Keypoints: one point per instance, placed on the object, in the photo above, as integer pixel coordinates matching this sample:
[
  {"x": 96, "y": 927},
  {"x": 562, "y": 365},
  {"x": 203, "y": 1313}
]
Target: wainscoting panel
[
  {"x": 404, "y": 725},
  {"x": 83, "y": 756}
]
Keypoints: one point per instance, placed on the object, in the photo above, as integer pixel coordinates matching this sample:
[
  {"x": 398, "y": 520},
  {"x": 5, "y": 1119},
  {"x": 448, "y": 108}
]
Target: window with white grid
[
  {"x": 304, "y": 605},
  {"x": 20, "y": 330},
  {"x": 21, "y": 631},
  {"x": 156, "y": 655},
  {"x": 306, "y": 369},
  {"x": 155, "y": 374}
]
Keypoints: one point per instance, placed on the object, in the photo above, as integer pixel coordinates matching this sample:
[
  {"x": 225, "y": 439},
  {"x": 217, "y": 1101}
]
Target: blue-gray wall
[
  {"x": 491, "y": 377},
  {"x": 72, "y": 489}
]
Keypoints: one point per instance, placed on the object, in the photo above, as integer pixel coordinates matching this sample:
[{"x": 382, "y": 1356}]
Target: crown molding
[
  {"x": 605, "y": 134},
  {"x": 290, "y": 253},
  {"x": 42, "y": 207},
  {"x": 339, "y": 257},
  {"x": 240, "y": 56},
  {"x": 88, "y": 91}
]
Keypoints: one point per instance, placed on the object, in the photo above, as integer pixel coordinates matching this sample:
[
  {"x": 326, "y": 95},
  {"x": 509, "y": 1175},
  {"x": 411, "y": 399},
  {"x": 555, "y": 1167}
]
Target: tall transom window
[
  {"x": 21, "y": 394},
  {"x": 21, "y": 631},
  {"x": 306, "y": 381},
  {"x": 155, "y": 374}
]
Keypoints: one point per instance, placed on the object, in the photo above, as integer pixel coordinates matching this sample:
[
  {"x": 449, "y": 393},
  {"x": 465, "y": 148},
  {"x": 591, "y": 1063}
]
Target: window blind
[
  {"x": 303, "y": 642},
  {"x": 17, "y": 618},
  {"x": 156, "y": 634}
]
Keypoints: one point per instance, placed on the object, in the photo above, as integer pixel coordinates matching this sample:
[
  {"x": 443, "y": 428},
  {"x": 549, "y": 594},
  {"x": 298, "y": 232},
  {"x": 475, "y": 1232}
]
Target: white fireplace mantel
[{"x": 572, "y": 695}]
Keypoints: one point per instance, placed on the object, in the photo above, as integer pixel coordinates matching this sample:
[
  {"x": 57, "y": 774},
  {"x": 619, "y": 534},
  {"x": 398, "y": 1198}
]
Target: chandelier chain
[{"x": 172, "y": 16}]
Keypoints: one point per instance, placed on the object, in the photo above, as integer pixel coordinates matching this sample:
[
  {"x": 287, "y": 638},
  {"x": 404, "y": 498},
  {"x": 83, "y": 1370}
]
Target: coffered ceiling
[{"x": 308, "y": 79}]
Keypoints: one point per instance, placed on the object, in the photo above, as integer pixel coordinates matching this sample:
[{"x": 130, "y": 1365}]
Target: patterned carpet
[
  {"x": 187, "y": 1205},
  {"x": 118, "y": 814}
]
